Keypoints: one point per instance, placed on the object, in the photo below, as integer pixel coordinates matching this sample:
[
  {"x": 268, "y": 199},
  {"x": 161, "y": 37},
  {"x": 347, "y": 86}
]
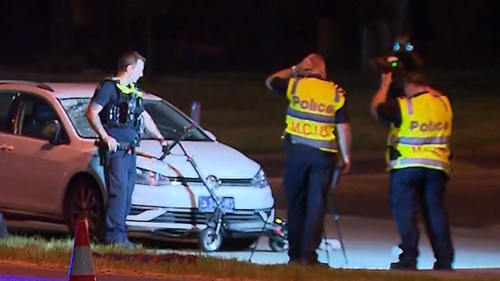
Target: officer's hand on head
[
  {"x": 305, "y": 65},
  {"x": 112, "y": 143},
  {"x": 386, "y": 79}
]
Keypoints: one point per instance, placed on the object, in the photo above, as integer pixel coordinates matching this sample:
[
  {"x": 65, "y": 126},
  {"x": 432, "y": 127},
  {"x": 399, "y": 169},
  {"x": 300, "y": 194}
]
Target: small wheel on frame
[
  {"x": 278, "y": 243},
  {"x": 209, "y": 240}
]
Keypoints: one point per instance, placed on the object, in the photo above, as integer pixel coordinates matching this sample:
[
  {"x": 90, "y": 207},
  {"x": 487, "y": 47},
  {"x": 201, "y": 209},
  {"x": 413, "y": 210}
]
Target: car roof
[{"x": 63, "y": 90}]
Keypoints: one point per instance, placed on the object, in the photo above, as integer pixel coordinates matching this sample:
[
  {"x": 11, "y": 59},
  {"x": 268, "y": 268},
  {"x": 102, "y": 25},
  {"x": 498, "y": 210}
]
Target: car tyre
[
  {"x": 209, "y": 240},
  {"x": 84, "y": 200}
]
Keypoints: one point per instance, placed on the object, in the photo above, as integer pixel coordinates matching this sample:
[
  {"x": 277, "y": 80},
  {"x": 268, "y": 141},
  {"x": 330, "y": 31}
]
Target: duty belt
[{"x": 104, "y": 153}]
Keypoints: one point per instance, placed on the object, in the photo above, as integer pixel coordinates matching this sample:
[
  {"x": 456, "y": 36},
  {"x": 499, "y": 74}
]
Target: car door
[
  {"x": 36, "y": 167},
  {"x": 8, "y": 107}
]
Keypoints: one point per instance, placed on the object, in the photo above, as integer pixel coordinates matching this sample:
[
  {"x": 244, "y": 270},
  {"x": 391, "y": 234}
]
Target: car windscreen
[{"x": 169, "y": 120}]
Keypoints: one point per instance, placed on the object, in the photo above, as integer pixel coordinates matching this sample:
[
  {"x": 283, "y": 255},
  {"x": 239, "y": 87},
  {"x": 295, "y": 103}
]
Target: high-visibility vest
[
  {"x": 423, "y": 139},
  {"x": 125, "y": 113},
  {"x": 310, "y": 118}
]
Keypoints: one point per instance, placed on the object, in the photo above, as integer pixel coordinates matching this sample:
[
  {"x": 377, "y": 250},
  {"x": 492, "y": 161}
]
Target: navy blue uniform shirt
[{"x": 107, "y": 95}]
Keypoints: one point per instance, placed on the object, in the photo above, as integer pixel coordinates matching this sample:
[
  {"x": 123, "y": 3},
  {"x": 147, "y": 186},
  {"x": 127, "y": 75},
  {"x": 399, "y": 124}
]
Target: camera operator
[{"x": 418, "y": 155}]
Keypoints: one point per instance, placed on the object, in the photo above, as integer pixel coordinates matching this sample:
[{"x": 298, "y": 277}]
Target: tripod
[{"x": 335, "y": 180}]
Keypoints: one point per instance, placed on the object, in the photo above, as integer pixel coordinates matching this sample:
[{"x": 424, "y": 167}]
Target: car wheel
[
  {"x": 209, "y": 240},
  {"x": 84, "y": 200}
]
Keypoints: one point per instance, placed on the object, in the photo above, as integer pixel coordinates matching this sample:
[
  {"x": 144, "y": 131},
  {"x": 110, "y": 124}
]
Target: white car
[{"x": 50, "y": 170}]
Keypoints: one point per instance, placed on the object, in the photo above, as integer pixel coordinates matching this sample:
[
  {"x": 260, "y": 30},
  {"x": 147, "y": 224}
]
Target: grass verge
[{"x": 55, "y": 254}]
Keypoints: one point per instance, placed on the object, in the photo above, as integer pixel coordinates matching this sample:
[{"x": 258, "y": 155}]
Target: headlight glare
[{"x": 147, "y": 177}]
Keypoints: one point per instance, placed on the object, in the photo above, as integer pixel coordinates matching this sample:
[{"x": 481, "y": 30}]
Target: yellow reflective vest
[
  {"x": 423, "y": 139},
  {"x": 126, "y": 90},
  {"x": 310, "y": 118}
]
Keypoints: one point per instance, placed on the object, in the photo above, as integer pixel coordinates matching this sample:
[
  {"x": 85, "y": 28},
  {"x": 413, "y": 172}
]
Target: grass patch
[
  {"x": 242, "y": 113},
  {"x": 56, "y": 254}
]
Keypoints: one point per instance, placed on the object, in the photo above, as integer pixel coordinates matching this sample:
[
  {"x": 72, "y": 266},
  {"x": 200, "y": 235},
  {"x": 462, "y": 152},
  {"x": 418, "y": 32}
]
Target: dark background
[{"x": 239, "y": 35}]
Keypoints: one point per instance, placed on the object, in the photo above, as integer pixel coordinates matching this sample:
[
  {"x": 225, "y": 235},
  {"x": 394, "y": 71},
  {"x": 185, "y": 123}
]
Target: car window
[
  {"x": 6, "y": 100},
  {"x": 167, "y": 118},
  {"x": 34, "y": 116}
]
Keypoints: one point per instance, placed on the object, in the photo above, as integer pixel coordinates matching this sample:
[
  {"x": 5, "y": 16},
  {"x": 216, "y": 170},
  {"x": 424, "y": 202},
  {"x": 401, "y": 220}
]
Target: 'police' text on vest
[
  {"x": 312, "y": 105},
  {"x": 429, "y": 126}
]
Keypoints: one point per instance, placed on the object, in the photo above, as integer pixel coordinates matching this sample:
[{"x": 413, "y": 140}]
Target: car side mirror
[
  {"x": 51, "y": 131},
  {"x": 196, "y": 112},
  {"x": 210, "y": 135}
]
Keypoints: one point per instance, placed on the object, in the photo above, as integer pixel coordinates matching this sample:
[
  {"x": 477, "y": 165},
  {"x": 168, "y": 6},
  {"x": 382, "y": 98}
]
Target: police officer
[
  {"x": 418, "y": 158},
  {"x": 116, "y": 113},
  {"x": 316, "y": 115}
]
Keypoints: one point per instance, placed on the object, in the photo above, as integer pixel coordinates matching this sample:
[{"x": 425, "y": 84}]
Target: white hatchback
[{"x": 50, "y": 170}]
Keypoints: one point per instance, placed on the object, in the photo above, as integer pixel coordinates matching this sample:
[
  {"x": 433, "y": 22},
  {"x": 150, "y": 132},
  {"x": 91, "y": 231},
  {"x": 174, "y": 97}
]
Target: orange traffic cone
[{"x": 81, "y": 267}]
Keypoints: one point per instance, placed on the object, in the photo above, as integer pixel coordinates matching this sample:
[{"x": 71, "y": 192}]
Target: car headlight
[
  {"x": 147, "y": 177},
  {"x": 260, "y": 179}
]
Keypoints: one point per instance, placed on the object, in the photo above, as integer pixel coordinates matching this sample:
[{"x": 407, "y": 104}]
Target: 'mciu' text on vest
[
  {"x": 313, "y": 106},
  {"x": 429, "y": 126},
  {"x": 307, "y": 129}
]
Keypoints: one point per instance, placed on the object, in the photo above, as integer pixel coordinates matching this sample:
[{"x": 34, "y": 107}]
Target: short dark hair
[
  {"x": 417, "y": 78},
  {"x": 129, "y": 58}
]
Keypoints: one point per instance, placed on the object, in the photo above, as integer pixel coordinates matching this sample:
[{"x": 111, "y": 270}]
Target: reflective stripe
[
  {"x": 309, "y": 116},
  {"x": 81, "y": 262},
  {"x": 294, "y": 86},
  {"x": 332, "y": 145},
  {"x": 421, "y": 141},
  {"x": 420, "y": 161},
  {"x": 409, "y": 105}
]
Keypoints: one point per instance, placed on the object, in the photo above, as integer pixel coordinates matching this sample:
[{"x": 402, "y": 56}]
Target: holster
[
  {"x": 104, "y": 153},
  {"x": 393, "y": 153}
]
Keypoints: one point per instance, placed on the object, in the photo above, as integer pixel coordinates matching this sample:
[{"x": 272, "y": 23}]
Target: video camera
[
  {"x": 400, "y": 61},
  {"x": 390, "y": 63}
]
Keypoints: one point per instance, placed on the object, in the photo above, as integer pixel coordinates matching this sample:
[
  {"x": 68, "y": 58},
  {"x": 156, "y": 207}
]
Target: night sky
[{"x": 252, "y": 34}]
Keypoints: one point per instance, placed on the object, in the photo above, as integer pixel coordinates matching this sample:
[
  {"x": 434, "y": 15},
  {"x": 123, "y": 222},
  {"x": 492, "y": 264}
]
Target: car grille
[{"x": 195, "y": 217}]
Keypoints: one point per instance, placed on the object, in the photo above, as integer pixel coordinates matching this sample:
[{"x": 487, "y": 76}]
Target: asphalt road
[{"x": 472, "y": 201}]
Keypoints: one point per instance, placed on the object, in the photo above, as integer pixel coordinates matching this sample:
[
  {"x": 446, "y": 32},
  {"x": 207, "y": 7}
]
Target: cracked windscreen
[{"x": 169, "y": 120}]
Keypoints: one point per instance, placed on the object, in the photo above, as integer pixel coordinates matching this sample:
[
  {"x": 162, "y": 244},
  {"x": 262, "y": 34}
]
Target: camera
[
  {"x": 392, "y": 64},
  {"x": 400, "y": 61}
]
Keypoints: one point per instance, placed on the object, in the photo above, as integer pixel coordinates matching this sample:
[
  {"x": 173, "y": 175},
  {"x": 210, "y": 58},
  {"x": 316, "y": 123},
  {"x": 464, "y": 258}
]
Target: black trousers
[
  {"x": 307, "y": 178},
  {"x": 121, "y": 176},
  {"x": 421, "y": 188}
]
